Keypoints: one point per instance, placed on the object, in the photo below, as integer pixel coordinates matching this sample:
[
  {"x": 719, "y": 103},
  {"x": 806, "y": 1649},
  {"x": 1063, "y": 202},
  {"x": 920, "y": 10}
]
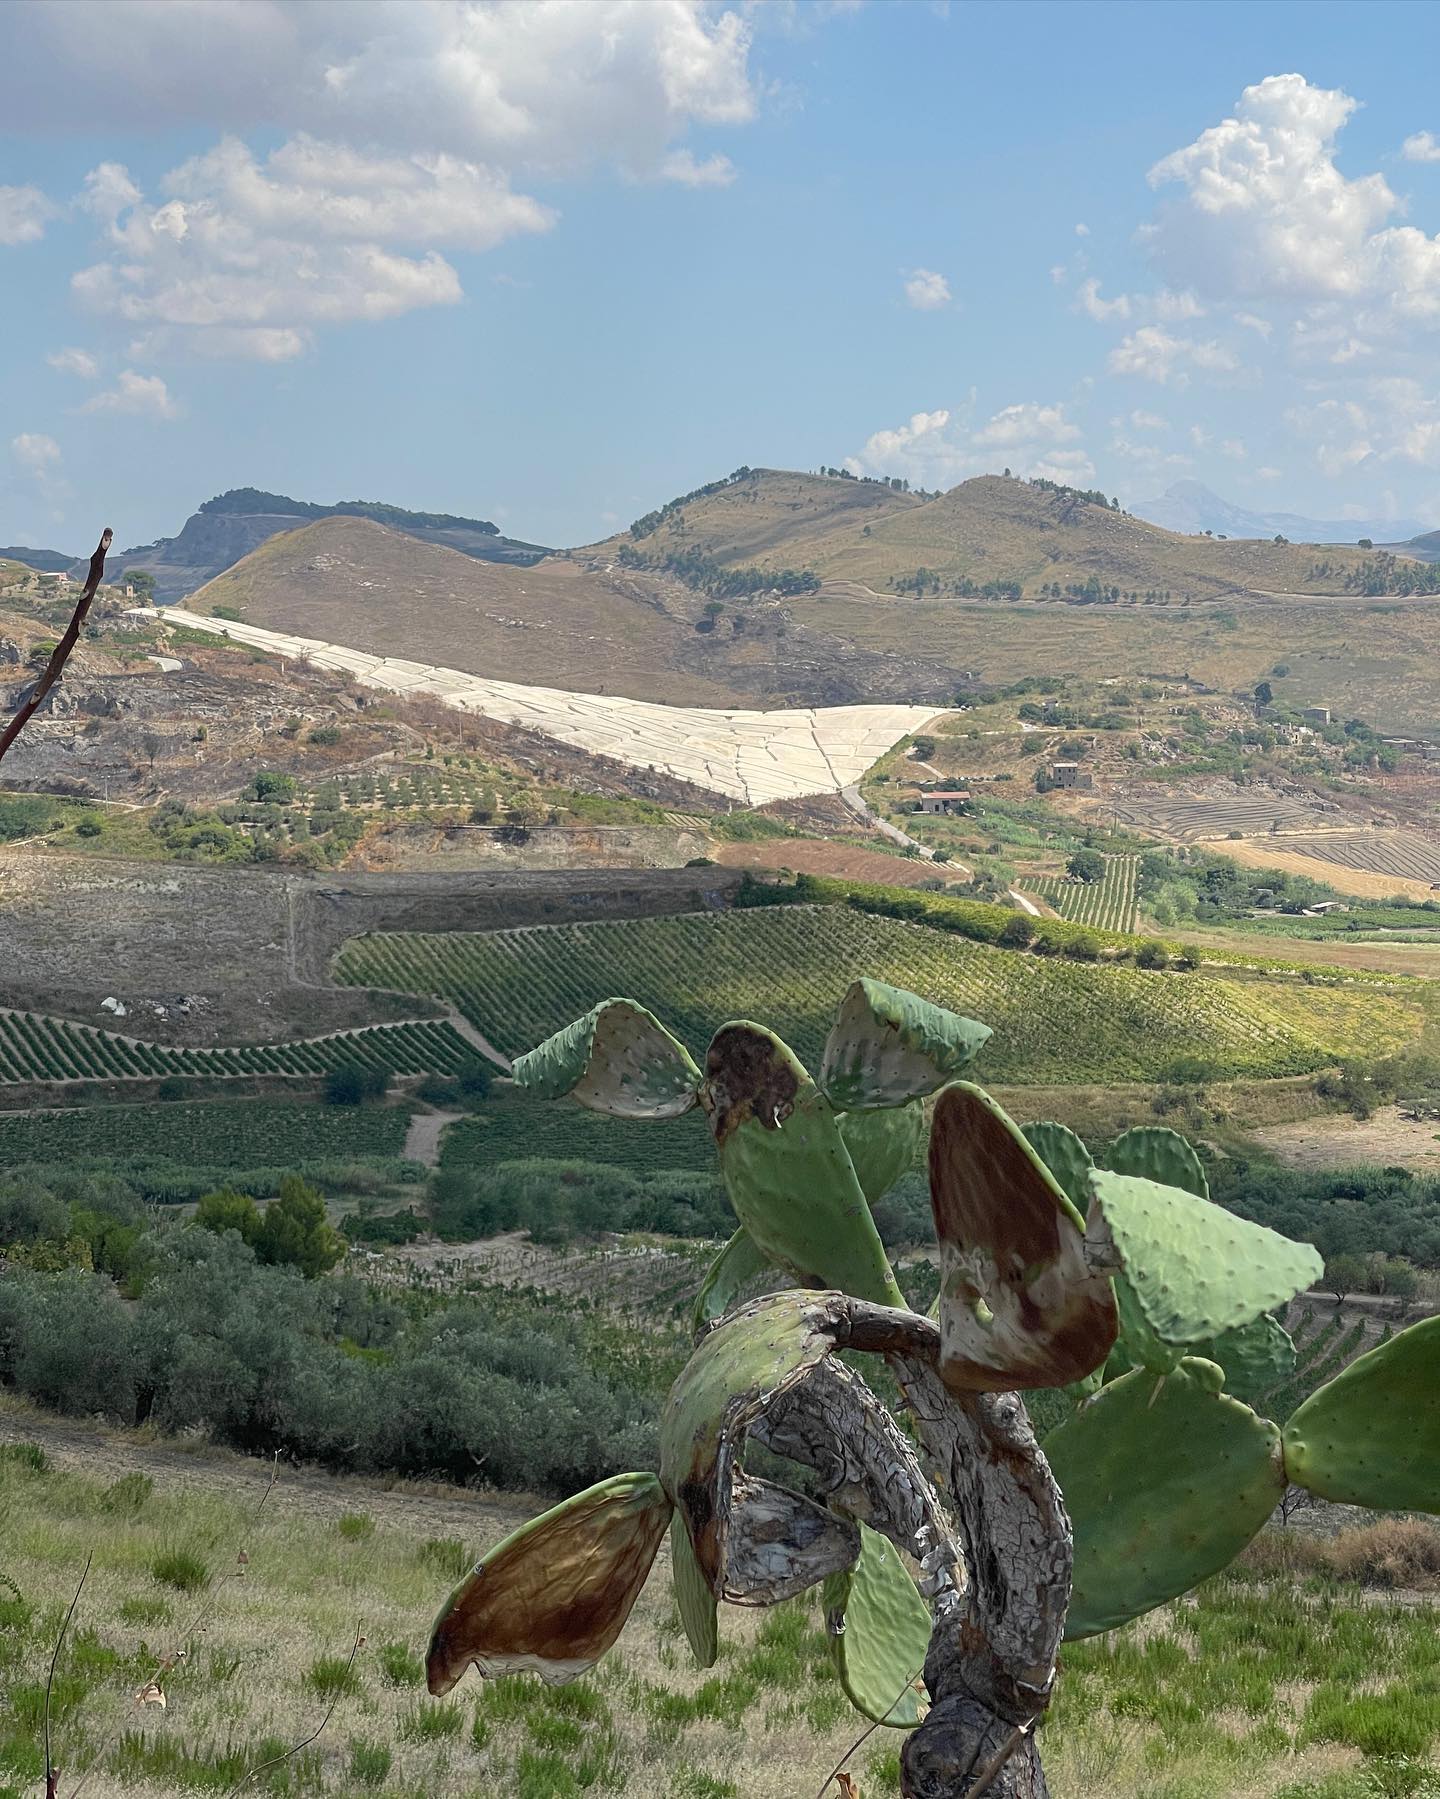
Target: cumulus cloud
[
  {"x": 1253, "y": 322},
  {"x": 1089, "y": 301},
  {"x": 37, "y": 454},
  {"x": 74, "y": 362},
  {"x": 1268, "y": 473},
  {"x": 681, "y": 166},
  {"x": 1385, "y": 420},
  {"x": 1154, "y": 354},
  {"x": 1148, "y": 421},
  {"x": 1265, "y": 213},
  {"x": 926, "y": 291},
  {"x": 24, "y": 214},
  {"x": 1422, "y": 146},
  {"x": 1234, "y": 448},
  {"x": 143, "y": 396},
  {"x": 543, "y": 86},
  {"x": 246, "y": 257},
  {"x": 937, "y": 449}
]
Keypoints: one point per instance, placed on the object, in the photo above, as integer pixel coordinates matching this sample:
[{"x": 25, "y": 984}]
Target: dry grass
[
  {"x": 1395, "y": 1553},
  {"x": 1267, "y": 853}
]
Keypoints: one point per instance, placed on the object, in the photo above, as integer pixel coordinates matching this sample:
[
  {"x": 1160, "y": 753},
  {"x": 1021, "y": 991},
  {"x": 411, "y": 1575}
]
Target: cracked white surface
[{"x": 749, "y": 756}]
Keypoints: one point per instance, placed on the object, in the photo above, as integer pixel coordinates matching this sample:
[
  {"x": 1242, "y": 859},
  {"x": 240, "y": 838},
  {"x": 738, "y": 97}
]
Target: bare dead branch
[
  {"x": 52, "y": 1774},
  {"x": 864, "y": 1737},
  {"x": 986, "y": 1778},
  {"x": 61, "y": 654}
]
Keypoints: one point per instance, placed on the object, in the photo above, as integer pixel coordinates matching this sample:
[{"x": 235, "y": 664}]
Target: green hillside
[{"x": 1055, "y": 1021}]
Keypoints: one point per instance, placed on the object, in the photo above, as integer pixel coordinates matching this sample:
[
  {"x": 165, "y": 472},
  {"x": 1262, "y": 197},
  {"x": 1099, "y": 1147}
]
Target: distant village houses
[
  {"x": 1070, "y": 774},
  {"x": 946, "y": 804}
]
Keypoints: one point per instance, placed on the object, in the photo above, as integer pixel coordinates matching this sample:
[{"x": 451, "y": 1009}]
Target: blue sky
[{"x": 552, "y": 263}]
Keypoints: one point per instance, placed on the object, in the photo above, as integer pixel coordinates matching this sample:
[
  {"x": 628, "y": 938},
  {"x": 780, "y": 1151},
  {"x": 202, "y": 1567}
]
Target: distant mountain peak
[{"x": 1192, "y": 508}]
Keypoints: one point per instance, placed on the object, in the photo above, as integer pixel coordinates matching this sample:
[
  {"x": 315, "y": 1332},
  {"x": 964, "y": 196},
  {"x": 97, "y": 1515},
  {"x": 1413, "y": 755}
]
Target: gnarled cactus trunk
[{"x": 995, "y": 1563}]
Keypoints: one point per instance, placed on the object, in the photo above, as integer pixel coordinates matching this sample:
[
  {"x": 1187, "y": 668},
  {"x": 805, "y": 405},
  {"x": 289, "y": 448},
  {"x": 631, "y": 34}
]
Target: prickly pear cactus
[
  {"x": 1158, "y": 1154},
  {"x": 619, "y": 1059},
  {"x": 879, "y": 1630}
]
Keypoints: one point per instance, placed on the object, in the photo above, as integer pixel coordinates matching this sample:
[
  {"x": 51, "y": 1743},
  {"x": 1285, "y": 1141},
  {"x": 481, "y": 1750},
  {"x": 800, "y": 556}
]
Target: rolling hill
[
  {"x": 989, "y": 533},
  {"x": 1190, "y": 506},
  {"x": 48, "y": 562},
  {"x": 233, "y": 524}
]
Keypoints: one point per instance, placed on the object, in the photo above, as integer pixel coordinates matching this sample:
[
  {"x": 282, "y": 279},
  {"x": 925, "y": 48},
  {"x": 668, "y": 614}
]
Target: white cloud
[
  {"x": 244, "y": 258},
  {"x": 1267, "y": 473},
  {"x": 1199, "y": 436},
  {"x": 1234, "y": 448},
  {"x": 37, "y": 454},
  {"x": 1082, "y": 230},
  {"x": 1154, "y": 354},
  {"x": 1422, "y": 146},
  {"x": 681, "y": 166},
  {"x": 1253, "y": 322},
  {"x": 936, "y": 449},
  {"x": 1089, "y": 301},
  {"x": 1351, "y": 350},
  {"x": 1265, "y": 212},
  {"x": 926, "y": 291},
  {"x": 545, "y": 86},
  {"x": 144, "y": 396},
  {"x": 1175, "y": 308},
  {"x": 24, "y": 214},
  {"x": 1149, "y": 421},
  {"x": 74, "y": 362},
  {"x": 1386, "y": 420},
  {"x": 1027, "y": 423}
]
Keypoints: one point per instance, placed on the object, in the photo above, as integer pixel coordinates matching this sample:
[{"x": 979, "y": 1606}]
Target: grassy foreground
[{"x": 1291, "y": 1688}]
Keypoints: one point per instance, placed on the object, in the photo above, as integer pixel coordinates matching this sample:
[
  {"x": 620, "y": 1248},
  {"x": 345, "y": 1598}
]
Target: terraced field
[
  {"x": 1056, "y": 1022},
  {"x": 1403, "y": 853},
  {"x": 1189, "y": 817},
  {"x": 36, "y": 1048},
  {"x": 1108, "y": 904}
]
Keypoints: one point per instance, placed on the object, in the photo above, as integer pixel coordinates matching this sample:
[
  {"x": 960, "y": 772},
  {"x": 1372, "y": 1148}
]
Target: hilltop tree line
[
  {"x": 1383, "y": 573},
  {"x": 707, "y": 576},
  {"x": 246, "y": 501},
  {"x": 651, "y": 522}
]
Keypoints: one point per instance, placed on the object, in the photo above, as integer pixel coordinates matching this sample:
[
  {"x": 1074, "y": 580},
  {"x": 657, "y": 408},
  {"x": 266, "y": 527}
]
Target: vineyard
[
  {"x": 1254, "y": 814},
  {"x": 1403, "y": 853},
  {"x": 236, "y": 1133},
  {"x": 642, "y": 1282},
  {"x": 37, "y": 1048},
  {"x": 513, "y": 1126},
  {"x": 1055, "y": 1021},
  {"x": 1109, "y": 904}
]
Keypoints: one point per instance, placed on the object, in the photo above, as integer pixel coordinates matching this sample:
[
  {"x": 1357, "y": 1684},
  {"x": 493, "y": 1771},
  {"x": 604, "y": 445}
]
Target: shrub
[
  {"x": 354, "y": 1527},
  {"x": 400, "y": 1666},
  {"x": 181, "y": 1569},
  {"x": 369, "y": 1763},
  {"x": 333, "y": 1677},
  {"x": 295, "y": 1232}
]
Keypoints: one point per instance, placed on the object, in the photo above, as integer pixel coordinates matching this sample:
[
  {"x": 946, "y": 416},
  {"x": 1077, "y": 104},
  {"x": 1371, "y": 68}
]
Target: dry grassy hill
[{"x": 985, "y": 530}]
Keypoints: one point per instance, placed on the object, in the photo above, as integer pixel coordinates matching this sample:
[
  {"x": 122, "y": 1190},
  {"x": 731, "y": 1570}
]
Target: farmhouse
[
  {"x": 1317, "y": 715},
  {"x": 1070, "y": 774},
  {"x": 946, "y": 804}
]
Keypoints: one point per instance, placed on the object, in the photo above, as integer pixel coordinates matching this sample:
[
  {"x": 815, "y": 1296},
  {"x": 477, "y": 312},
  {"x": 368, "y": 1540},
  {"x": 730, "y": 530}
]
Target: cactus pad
[
  {"x": 619, "y": 1059},
  {"x": 888, "y": 1046},
  {"x": 748, "y": 1360},
  {"x": 1065, "y": 1156},
  {"x": 693, "y": 1599},
  {"x": 786, "y": 1168},
  {"x": 883, "y": 1145},
  {"x": 1019, "y": 1305},
  {"x": 1158, "y": 1154},
  {"x": 1193, "y": 1270},
  {"x": 1371, "y": 1436},
  {"x": 1166, "y": 1479},
  {"x": 555, "y": 1594},
  {"x": 879, "y": 1630},
  {"x": 1256, "y": 1358},
  {"x": 739, "y": 1263}
]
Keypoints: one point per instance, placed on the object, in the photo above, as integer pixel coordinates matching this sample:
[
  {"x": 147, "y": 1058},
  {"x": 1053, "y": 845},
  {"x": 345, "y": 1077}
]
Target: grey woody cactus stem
[{"x": 954, "y": 1560}]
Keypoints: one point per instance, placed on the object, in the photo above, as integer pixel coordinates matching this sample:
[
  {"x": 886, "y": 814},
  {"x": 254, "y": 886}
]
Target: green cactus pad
[
  {"x": 879, "y": 1630},
  {"x": 1371, "y": 1436},
  {"x": 619, "y": 1059},
  {"x": 1019, "y": 1304},
  {"x": 739, "y": 1263},
  {"x": 1166, "y": 1479},
  {"x": 748, "y": 1360},
  {"x": 888, "y": 1046},
  {"x": 553, "y": 1597},
  {"x": 786, "y": 1168},
  {"x": 693, "y": 1599},
  {"x": 1256, "y": 1358},
  {"x": 1193, "y": 1270},
  {"x": 1158, "y": 1154},
  {"x": 1065, "y": 1156},
  {"x": 883, "y": 1145}
]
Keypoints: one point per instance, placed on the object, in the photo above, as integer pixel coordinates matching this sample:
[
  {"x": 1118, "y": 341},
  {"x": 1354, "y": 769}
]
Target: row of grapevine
[
  {"x": 36, "y": 1048},
  {"x": 1055, "y": 1021},
  {"x": 1108, "y": 904},
  {"x": 246, "y": 1133}
]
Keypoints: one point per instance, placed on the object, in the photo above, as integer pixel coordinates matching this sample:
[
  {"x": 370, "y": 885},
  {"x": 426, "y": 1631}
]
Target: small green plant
[
  {"x": 29, "y": 1456},
  {"x": 433, "y": 1722},
  {"x": 447, "y": 1556},
  {"x": 144, "y": 1611},
  {"x": 369, "y": 1763},
  {"x": 354, "y": 1527},
  {"x": 400, "y": 1666},
  {"x": 334, "y": 1676},
  {"x": 130, "y": 1494},
  {"x": 181, "y": 1569}
]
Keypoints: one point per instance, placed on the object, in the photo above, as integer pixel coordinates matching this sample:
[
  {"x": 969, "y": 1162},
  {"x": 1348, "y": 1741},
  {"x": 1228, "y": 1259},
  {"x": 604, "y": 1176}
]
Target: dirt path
[
  {"x": 422, "y": 1140},
  {"x": 1385, "y": 1139},
  {"x": 854, "y": 800}
]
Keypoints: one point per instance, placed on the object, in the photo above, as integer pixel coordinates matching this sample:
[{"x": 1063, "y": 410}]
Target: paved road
[{"x": 853, "y": 799}]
